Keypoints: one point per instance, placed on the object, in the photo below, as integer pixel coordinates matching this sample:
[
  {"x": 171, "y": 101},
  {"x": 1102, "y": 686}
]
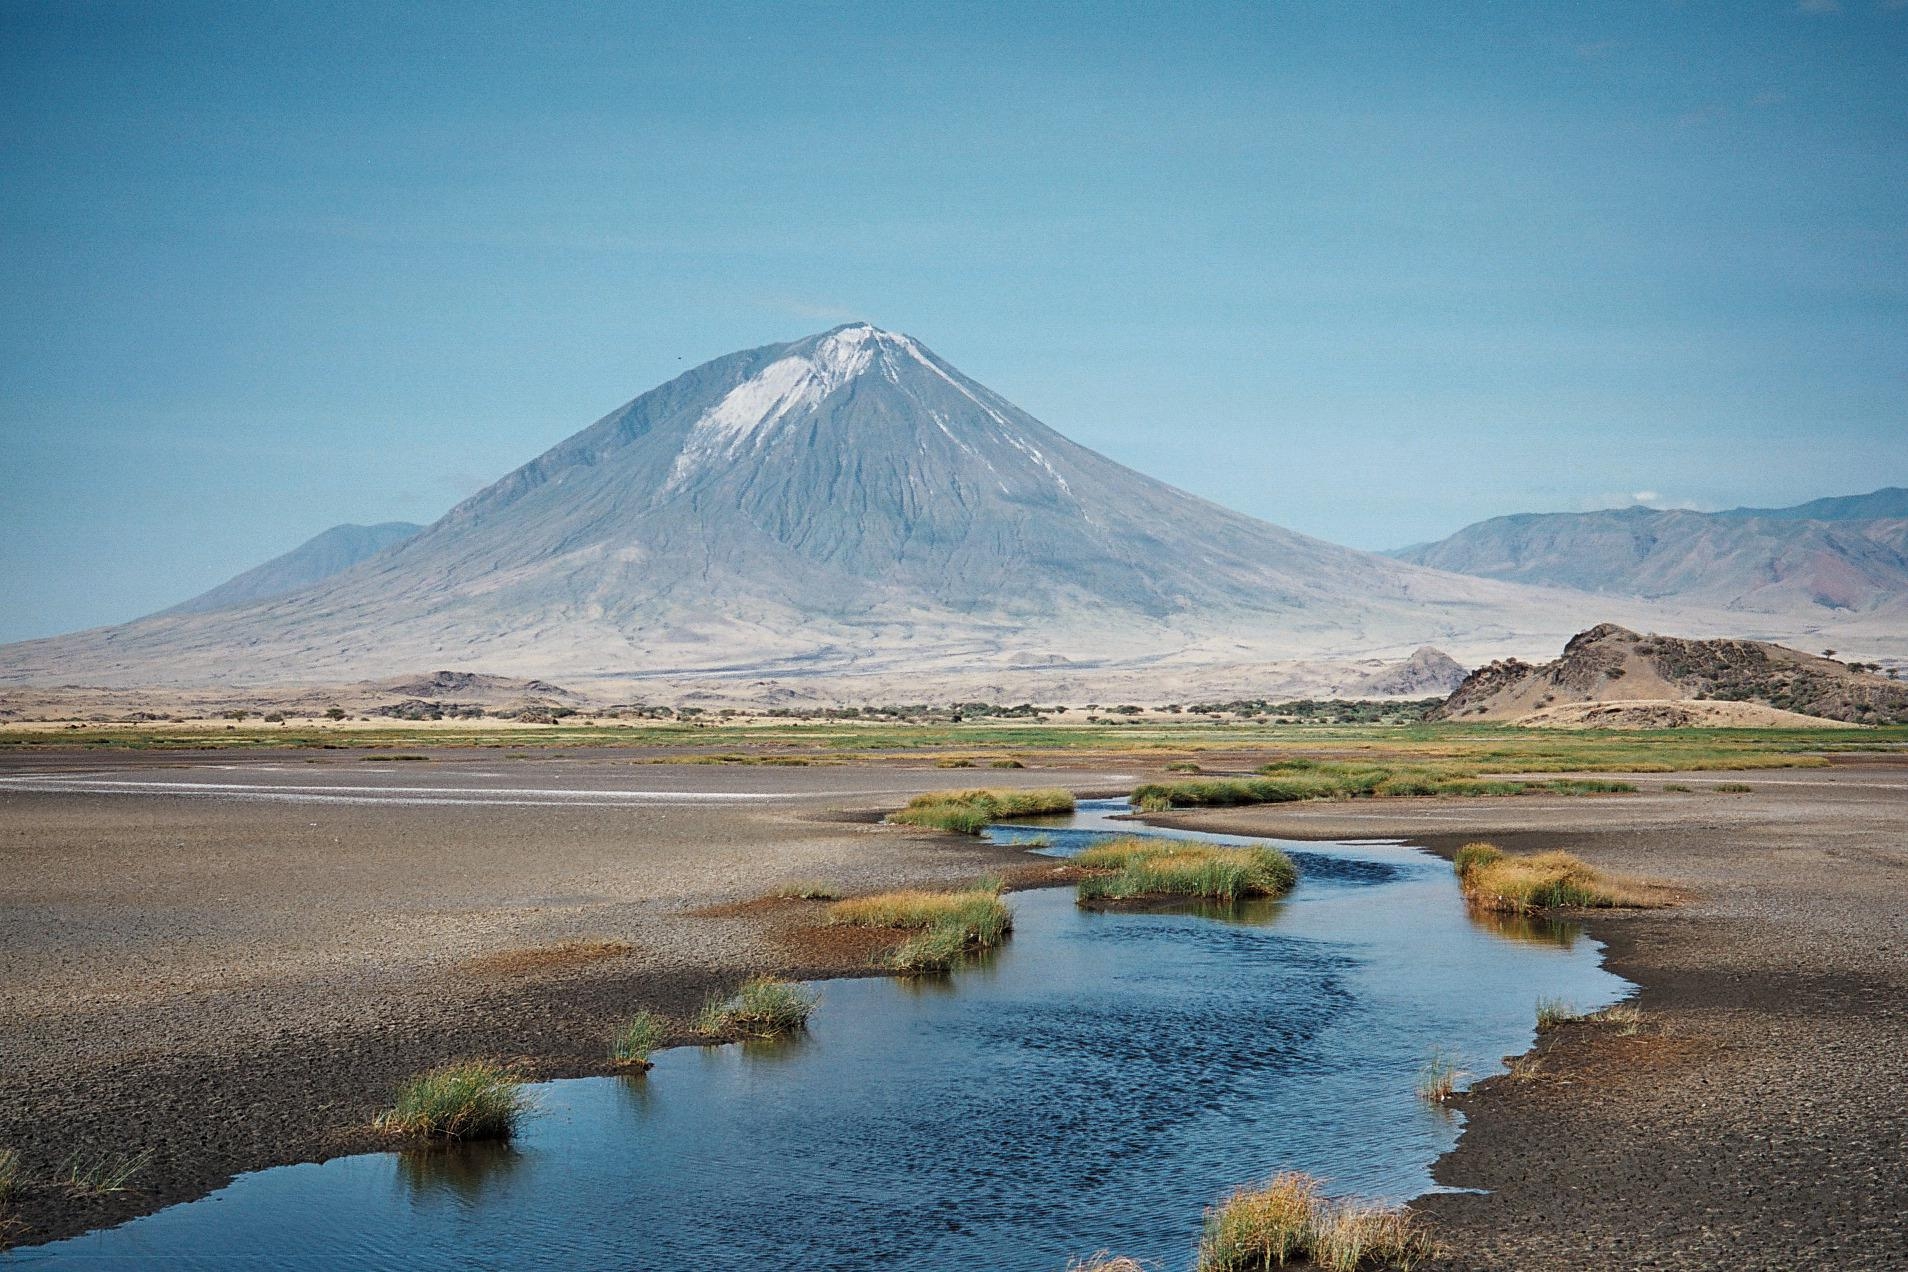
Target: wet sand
[{"x": 1756, "y": 1118}]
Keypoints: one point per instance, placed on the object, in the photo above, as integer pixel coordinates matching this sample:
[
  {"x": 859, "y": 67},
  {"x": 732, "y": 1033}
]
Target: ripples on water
[{"x": 1091, "y": 1086}]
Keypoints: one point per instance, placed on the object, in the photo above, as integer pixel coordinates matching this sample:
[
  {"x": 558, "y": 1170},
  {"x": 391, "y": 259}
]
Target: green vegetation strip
[
  {"x": 1139, "y": 868},
  {"x": 1285, "y": 781}
]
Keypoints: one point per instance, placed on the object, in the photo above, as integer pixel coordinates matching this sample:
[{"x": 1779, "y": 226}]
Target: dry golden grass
[
  {"x": 1495, "y": 880},
  {"x": 1288, "y": 1221}
]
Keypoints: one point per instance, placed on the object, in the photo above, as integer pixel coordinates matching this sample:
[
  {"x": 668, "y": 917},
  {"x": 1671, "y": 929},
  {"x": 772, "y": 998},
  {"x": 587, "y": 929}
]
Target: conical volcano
[{"x": 846, "y": 503}]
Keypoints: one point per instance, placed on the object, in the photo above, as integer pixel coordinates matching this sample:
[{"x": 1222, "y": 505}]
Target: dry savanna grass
[
  {"x": 1140, "y": 867},
  {"x": 970, "y": 812},
  {"x": 1288, "y": 1220},
  {"x": 1493, "y": 879},
  {"x": 945, "y": 926}
]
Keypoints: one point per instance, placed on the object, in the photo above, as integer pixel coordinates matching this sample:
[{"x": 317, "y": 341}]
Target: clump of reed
[
  {"x": 1493, "y": 879},
  {"x": 969, "y": 812},
  {"x": 1138, "y": 867},
  {"x": 764, "y": 1007},
  {"x": 1104, "y": 1261},
  {"x": 636, "y": 1037},
  {"x": 464, "y": 1100},
  {"x": 1438, "y": 1079},
  {"x": 945, "y": 926},
  {"x": 1287, "y": 1220}
]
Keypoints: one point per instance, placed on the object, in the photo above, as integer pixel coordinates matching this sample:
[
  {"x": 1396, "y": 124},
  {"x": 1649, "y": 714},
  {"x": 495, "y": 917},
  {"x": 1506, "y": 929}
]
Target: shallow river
[{"x": 1090, "y": 1087}]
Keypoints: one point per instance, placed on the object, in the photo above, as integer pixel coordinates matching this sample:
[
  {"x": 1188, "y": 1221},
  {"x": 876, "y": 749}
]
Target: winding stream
[{"x": 1091, "y": 1086}]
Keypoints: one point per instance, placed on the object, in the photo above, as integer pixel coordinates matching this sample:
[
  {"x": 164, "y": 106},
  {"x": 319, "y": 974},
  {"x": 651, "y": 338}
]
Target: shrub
[
  {"x": 1142, "y": 867},
  {"x": 642, "y": 1034},
  {"x": 763, "y": 1007},
  {"x": 466, "y": 1100},
  {"x": 969, "y": 812}
]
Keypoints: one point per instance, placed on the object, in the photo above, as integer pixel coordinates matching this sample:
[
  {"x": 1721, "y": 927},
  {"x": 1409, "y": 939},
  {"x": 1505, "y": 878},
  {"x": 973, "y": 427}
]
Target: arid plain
[{"x": 229, "y": 956}]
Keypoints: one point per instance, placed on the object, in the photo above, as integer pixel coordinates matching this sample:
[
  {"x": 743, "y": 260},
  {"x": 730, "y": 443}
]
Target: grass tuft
[
  {"x": 465, "y": 1100},
  {"x": 764, "y": 1007},
  {"x": 1105, "y": 1262},
  {"x": 1733, "y": 788},
  {"x": 1138, "y": 867},
  {"x": 1286, "y": 780},
  {"x": 1552, "y": 1012},
  {"x": 1437, "y": 1081},
  {"x": 1627, "y": 1017},
  {"x": 1492, "y": 879},
  {"x": 636, "y": 1038},
  {"x": 946, "y": 926},
  {"x": 1287, "y": 1221},
  {"x": 969, "y": 812},
  {"x": 97, "y": 1176}
]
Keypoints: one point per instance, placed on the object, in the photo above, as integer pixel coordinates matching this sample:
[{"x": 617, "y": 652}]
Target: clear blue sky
[{"x": 1368, "y": 270}]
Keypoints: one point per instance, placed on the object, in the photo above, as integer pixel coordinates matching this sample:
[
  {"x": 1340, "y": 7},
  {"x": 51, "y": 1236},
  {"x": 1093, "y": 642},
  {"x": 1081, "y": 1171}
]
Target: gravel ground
[
  {"x": 1757, "y": 1115},
  {"x": 233, "y": 964}
]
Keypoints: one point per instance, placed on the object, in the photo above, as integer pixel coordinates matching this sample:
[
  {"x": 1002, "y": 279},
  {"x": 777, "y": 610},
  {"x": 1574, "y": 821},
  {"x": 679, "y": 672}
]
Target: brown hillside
[{"x": 1610, "y": 664}]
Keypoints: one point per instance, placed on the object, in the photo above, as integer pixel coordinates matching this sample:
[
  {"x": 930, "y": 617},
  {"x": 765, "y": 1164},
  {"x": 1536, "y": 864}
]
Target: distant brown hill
[{"x": 1642, "y": 675}]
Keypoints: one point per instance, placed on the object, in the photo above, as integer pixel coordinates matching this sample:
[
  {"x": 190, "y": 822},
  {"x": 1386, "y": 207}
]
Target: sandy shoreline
[{"x": 1754, "y": 1121}]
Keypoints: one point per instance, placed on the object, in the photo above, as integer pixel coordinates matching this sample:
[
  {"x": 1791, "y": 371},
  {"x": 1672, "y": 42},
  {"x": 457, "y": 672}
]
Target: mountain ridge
[{"x": 847, "y": 506}]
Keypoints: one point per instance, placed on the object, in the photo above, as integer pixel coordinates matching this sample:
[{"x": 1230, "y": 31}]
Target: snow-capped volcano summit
[{"x": 844, "y": 503}]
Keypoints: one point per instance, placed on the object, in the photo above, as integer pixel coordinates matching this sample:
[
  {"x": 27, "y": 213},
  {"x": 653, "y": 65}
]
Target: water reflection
[
  {"x": 462, "y": 1172},
  {"x": 1535, "y": 929}
]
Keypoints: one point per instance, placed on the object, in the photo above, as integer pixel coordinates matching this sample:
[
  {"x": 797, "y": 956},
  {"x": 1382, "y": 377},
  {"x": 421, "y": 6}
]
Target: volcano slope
[{"x": 845, "y": 505}]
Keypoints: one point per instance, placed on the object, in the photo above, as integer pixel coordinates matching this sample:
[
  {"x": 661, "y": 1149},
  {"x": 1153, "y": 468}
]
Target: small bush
[
  {"x": 969, "y": 812},
  {"x": 466, "y": 1100},
  {"x": 642, "y": 1034},
  {"x": 1142, "y": 867},
  {"x": 764, "y": 1007}
]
